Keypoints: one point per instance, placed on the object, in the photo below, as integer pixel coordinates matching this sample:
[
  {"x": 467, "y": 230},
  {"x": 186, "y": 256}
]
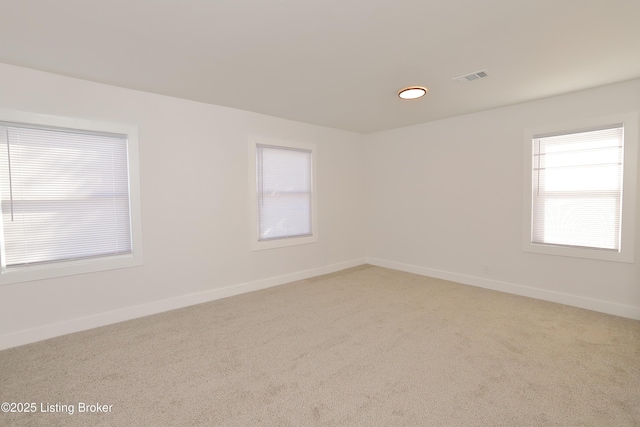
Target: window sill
[
  {"x": 69, "y": 268},
  {"x": 602, "y": 255},
  {"x": 284, "y": 242}
]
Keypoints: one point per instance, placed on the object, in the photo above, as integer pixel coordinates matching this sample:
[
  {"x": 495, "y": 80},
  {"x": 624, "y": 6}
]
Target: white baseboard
[
  {"x": 567, "y": 299},
  {"x": 80, "y": 324}
]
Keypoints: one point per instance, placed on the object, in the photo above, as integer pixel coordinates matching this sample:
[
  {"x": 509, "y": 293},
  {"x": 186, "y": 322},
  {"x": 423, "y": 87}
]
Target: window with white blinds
[
  {"x": 283, "y": 196},
  {"x": 284, "y": 191},
  {"x": 64, "y": 195},
  {"x": 577, "y": 188}
]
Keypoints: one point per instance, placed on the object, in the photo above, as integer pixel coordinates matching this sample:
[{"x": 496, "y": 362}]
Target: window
[
  {"x": 66, "y": 199},
  {"x": 581, "y": 190},
  {"x": 283, "y": 194}
]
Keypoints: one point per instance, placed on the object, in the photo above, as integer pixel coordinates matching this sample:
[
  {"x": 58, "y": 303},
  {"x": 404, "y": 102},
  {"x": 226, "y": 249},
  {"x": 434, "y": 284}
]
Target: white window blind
[
  {"x": 64, "y": 195},
  {"x": 577, "y": 188},
  {"x": 284, "y": 192}
]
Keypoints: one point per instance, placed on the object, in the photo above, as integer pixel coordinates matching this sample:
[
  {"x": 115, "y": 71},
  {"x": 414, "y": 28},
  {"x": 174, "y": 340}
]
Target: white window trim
[
  {"x": 90, "y": 265},
  {"x": 629, "y": 185},
  {"x": 257, "y": 244}
]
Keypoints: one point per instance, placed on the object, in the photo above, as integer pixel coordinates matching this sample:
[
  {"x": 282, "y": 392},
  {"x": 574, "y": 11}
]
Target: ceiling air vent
[{"x": 472, "y": 76}]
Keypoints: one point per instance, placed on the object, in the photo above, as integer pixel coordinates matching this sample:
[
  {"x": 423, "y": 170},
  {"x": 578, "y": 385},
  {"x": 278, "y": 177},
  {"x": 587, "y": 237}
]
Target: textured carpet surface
[{"x": 363, "y": 347}]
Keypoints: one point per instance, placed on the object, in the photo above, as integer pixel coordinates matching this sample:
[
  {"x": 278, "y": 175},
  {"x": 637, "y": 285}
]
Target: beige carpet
[{"x": 363, "y": 347}]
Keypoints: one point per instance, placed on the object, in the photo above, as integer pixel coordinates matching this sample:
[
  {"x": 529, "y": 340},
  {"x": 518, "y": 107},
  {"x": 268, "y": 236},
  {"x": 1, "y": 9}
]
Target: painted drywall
[
  {"x": 195, "y": 207},
  {"x": 442, "y": 199},
  {"x": 445, "y": 199}
]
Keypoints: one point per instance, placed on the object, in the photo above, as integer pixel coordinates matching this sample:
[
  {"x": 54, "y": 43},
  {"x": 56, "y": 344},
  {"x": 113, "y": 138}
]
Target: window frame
[
  {"x": 629, "y": 185},
  {"x": 86, "y": 265},
  {"x": 256, "y": 243}
]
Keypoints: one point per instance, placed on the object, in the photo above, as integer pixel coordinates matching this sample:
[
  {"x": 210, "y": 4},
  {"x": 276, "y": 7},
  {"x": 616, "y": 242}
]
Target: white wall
[
  {"x": 445, "y": 198},
  {"x": 195, "y": 207}
]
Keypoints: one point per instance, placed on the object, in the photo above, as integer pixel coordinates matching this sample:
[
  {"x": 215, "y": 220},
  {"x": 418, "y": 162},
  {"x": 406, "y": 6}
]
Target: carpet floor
[{"x": 365, "y": 346}]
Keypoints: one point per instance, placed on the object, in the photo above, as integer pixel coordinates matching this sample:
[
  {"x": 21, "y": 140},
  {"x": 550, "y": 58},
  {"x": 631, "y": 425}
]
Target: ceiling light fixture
[{"x": 412, "y": 92}]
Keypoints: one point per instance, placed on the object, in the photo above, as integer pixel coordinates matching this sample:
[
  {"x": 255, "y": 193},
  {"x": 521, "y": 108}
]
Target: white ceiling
[{"x": 336, "y": 63}]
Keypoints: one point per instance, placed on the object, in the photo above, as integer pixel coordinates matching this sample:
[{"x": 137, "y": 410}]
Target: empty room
[{"x": 301, "y": 213}]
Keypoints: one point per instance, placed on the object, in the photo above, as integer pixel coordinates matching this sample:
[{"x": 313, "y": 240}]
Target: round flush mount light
[{"x": 412, "y": 92}]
